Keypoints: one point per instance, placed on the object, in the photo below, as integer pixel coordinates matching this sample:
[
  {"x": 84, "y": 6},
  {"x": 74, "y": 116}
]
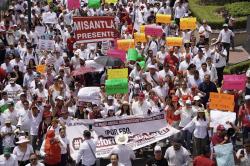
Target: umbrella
[
  {"x": 82, "y": 70},
  {"x": 108, "y": 61},
  {"x": 89, "y": 94}
]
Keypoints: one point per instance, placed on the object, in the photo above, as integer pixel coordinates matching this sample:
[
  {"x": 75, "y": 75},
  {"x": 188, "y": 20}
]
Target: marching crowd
[{"x": 36, "y": 107}]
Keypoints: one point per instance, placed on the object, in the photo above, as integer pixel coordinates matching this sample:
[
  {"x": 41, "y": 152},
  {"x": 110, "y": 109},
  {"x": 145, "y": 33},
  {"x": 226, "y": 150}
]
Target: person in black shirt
[{"x": 158, "y": 159}]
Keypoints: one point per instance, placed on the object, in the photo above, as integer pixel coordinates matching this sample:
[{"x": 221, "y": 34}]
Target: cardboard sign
[
  {"x": 153, "y": 30},
  {"x": 47, "y": 45},
  {"x": 140, "y": 37},
  {"x": 125, "y": 44},
  {"x": 41, "y": 68},
  {"x": 221, "y": 101},
  {"x": 94, "y": 4},
  {"x": 115, "y": 86},
  {"x": 73, "y": 4},
  {"x": 132, "y": 54},
  {"x": 121, "y": 54},
  {"x": 49, "y": 18},
  {"x": 163, "y": 18},
  {"x": 174, "y": 41},
  {"x": 111, "y": 1},
  {"x": 95, "y": 29},
  {"x": 188, "y": 23},
  {"x": 234, "y": 82},
  {"x": 117, "y": 73}
]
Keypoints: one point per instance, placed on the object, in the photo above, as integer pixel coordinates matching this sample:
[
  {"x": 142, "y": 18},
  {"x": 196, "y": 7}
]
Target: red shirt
[
  {"x": 216, "y": 139},
  {"x": 244, "y": 114},
  {"x": 70, "y": 43},
  {"x": 203, "y": 161},
  {"x": 171, "y": 60}
]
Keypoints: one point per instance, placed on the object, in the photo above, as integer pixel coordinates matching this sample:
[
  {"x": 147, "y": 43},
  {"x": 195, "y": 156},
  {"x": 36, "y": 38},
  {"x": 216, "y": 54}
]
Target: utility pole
[{"x": 29, "y": 14}]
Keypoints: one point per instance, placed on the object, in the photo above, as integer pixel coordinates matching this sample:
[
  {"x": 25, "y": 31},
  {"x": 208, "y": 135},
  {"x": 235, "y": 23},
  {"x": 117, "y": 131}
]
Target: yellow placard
[
  {"x": 111, "y": 1},
  {"x": 221, "y": 101},
  {"x": 125, "y": 44},
  {"x": 188, "y": 23},
  {"x": 174, "y": 41},
  {"x": 142, "y": 28},
  {"x": 140, "y": 37},
  {"x": 41, "y": 68},
  {"x": 163, "y": 18},
  {"x": 117, "y": 73}
]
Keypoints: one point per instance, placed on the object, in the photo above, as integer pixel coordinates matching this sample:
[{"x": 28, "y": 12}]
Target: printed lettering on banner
[
  {"x": 221, "y": 101},
  {"x": 95, "y": 29},
  {"x": 117, "y": 73},
  {"x": 234, "y": 82},
  {"x": 106, "y": 129}
]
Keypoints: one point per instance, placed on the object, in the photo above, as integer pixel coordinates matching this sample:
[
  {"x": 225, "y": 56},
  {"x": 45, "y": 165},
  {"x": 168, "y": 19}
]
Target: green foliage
[
  {"x": 237, "y": 68},
  {"x": 238, "y": 9}
]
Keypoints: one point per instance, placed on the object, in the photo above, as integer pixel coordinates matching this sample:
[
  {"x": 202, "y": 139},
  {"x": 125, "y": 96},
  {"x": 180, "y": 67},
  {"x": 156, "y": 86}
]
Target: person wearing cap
[
  {"x": 205, "y": 30},
  {"x": 225, "y": 37},
  {"x": 23, "y": 150},
  {"x": 7, "y": 134},
  {"x": 142, "y": 106},
  {"x": 125, "y": 153},
  {"x": 187, "y": 113},
  {"x": 243, "y": 154},
  {"x": 199, "y": 125},
  {"x": 177, "y": 154},
  {"x": 244, "y": 117},
  {"x": 86, "y": 154},
  {"x": 158, "y": 159},
  {"x": 7, "y": 158},
  {"x": 219, "y": 137}
]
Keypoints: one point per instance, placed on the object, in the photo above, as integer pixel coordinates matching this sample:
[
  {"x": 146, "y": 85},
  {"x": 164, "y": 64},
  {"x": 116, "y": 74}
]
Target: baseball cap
[{"x": 157, "y": 148}]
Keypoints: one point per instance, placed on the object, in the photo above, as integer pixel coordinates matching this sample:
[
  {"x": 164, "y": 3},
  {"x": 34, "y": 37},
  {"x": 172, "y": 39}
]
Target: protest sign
[
  {"x": 115, "y": 86},
  {"x": 221, "y": 117},
  {"x": 95, "y": 29},
  {"x": 188, "y": 23},
  {"x": 94, "y": 4},
  {"x": 41, "y": 68},
  {"x": 132, "y": 54},
  {"x": 163, "y": 18},
  {"x": 49, "y": 18},
  {"x": 234, "y": 82},
  {"x": 155, "y": 128},
  {"x": 142, "y": 64},
  {"x": 40, "y": 30},
  {"x": 221, "y": 101},
  {"x": 142, "y": 29},
  {"x": 3, "y": 108},
  {"x": 73, "y": 4},
  {"x": 125, "y": 44},
  {"x": 153, "y": 30},
  {"x": 121, "y": 54},
  {"x": 89, "y": 94},
  {"x": 224, "y": 154},
  {"x": 46, "y": 45},
  {"x": 111, "y": 1},
  {"x": 140, "y": 37},
  {"x": 174, "y": 41},
  {"x": 117, "y": 73}
]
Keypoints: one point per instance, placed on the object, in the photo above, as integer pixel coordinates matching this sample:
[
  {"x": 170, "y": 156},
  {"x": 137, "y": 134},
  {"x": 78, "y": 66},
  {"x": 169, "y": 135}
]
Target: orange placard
[
  {"x": 188, "y": 23},
  {"x": 140, "y": 37},
  {"x": 125, "y": 44},
  {"x": 221, "y": 101},
  {"x": 41, "y": 68},
  {"x": 174, "y": 41},
  {"x": 163, "y": 18}
]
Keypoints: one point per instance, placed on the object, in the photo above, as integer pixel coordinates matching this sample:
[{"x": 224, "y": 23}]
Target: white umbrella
[{"x": 90, "y": 94}]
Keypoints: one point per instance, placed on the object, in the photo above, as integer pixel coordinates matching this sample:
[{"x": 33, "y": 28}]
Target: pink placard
[
  {"x": 153, "y": 31},
  {"x": 117, "y": 54},
  {"x": 73, "y": 4},
  {"x": 234, "y": 82}
]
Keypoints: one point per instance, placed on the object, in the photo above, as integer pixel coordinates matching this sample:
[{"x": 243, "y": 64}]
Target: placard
[
  {"x": 111, "y": 1},
  {"x": 174, "y": 41},
  {"x": 221, "y": 117},
  {"x": 41, "y": 68},
  {"x": 234, "y": 82},
  {"x": 46, "y": 45},
  {"x": 73, "y": 4},
  {"x": 49, "y": 18},
  {"x": 153, "y": 30},
  {"x": 140, "y": 37},
  {"x": 125, "y": 44},
  {"x": 221, "y": 101},
  {"x": 117, "y": 73},
  {"x": 163, "y": 18},
  {"x": 116, "y": 86},
  {"x": 188, "y": 23},
  {"x": 132, "y": 54},
  {"x": 121, "y": 54}
]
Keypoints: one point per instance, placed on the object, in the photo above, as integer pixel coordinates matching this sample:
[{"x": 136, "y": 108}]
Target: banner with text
[
  {"x": 95, "y": 29},
  {"x": 155, "y": 128}
]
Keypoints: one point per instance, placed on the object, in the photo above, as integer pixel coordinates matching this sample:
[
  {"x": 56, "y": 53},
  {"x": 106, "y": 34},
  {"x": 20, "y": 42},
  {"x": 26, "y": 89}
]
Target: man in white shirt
[
  {"x": 199, "y": 59},
  {"x": 8, "y": 159},
  {"x": 141, "y": 107},
  {"x": 166, "y": 71},
  {"x": 13, "y": 89},
  {"x": 179, "y": 13},
  {"x": 86, "y": 155},
  {"x": 152, "y": 76},
  {"x": 212, "y": 69},
  {"x": 203, "y": 71},
  {"x": 205, "y": 30},
  {"x": 7, "y": 134},
  {"x": 34, "y": 161},
  {"x": 124, "y": 152},
  {"x": 114, "y": 159},
  {"x": 184, "y": 64}
]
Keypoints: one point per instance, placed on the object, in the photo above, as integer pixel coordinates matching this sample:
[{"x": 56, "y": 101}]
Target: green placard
[
  {"x": 3, "y": 108},
  {"x": 132, "y": 54},
  {"x": 94, "y": 4},
  {"x": 142, "y": 64},
  {"x": 115, "y": 86}
]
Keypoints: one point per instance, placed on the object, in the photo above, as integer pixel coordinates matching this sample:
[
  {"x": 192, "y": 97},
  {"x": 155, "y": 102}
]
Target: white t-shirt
[
  {"x": 66, "y": 142},
  {"x": 23, "y": 156},
  {"x": 125, "y": 154},
  {"x": 24, "y": 119},
  {"x": 138, "y": 109},
  {"x": 8, "y": 140},
  {"x": 177, "y": 158},
  {"x": 34, "y": 123},
  {"x": 13, "y": 91}
]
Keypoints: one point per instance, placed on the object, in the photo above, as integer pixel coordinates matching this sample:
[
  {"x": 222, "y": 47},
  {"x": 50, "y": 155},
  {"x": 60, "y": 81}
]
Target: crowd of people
[{"x": 36, "y": 107}]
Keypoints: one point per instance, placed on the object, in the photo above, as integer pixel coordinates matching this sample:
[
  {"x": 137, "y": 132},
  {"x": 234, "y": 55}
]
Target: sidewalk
[{"x": 238, "y": 55}]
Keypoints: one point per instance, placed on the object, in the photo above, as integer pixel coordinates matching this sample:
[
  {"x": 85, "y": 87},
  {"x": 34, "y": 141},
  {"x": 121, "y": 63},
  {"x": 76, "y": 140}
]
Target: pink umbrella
[{"x": 82, "y": 70}]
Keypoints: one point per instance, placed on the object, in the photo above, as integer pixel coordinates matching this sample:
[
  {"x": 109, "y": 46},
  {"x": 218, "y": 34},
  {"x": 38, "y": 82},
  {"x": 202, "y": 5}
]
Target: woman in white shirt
[
  {"x": 22, "y": 151},
  {"x": 200, "y": 133}
]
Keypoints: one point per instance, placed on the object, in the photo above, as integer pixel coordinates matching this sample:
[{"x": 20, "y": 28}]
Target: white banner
[
  {"x": 142, "y": 131},
  {"x": 49, "y": 18},
  {"x": 221, "y": 117},
  {"x": 47, "y": 45}
]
